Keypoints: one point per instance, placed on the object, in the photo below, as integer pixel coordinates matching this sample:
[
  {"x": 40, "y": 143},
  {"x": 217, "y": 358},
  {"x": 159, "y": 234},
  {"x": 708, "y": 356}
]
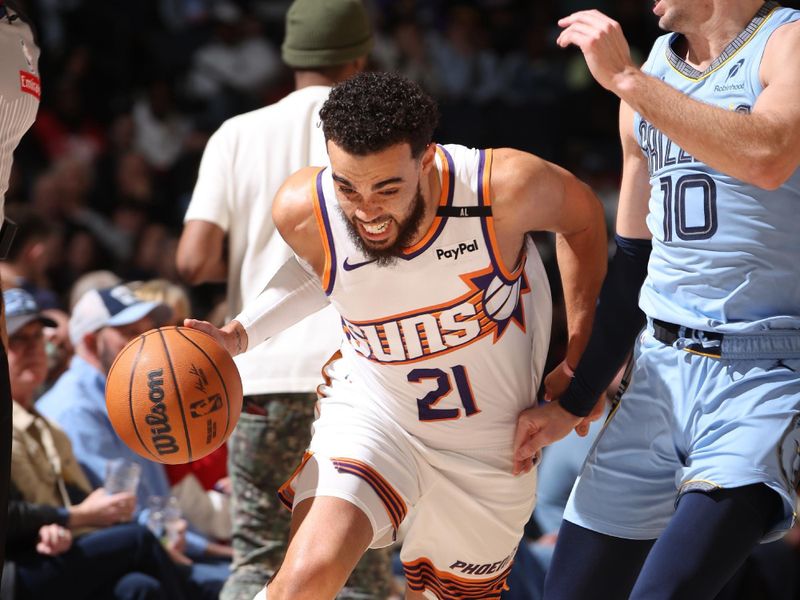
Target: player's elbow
[
  {"x": 768, "y": 176},
  {"x": 771, "y": 168},
  {"x": 190, "y": 265}
]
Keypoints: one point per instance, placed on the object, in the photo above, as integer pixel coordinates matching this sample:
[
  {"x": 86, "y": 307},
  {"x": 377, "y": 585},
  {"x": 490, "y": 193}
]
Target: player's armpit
[{"x": 293, "y": 212}]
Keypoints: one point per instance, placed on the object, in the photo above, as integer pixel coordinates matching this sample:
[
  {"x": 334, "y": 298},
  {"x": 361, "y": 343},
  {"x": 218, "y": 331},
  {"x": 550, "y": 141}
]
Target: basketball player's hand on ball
[
  {"x": 231, "y": 336},
  {"x": 603, "y": 44},
  {"x": 538, "y": 427}
]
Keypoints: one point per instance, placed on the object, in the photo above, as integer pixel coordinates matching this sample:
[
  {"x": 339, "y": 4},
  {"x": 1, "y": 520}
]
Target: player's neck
[
  {"x": 709, "y": 39},
  {"x": 431, "y": 190},
  {"x": 304, "y": 79}
]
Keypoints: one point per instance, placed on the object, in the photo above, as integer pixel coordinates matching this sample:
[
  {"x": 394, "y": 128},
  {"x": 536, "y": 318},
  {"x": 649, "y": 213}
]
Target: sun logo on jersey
[{"x": 488, "y": 307}]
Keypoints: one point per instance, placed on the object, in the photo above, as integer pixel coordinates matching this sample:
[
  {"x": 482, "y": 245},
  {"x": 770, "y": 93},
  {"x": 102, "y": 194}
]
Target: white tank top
[{"x": 447, "y": 342}]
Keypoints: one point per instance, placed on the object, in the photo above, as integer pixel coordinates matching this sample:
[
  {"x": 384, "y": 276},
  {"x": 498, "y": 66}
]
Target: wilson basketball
[{"x": 174, "y": 395}]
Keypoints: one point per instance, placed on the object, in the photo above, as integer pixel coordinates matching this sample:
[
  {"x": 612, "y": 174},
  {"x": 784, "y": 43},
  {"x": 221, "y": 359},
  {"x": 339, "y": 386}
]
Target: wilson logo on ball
[{"x": 158, "y": 420}]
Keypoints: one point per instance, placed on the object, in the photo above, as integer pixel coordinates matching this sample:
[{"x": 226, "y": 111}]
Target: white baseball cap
[{"x": 111, "y": 307}]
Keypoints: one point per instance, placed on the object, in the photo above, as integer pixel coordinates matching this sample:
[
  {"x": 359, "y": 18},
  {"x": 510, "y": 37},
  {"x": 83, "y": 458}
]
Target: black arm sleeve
[{"x": 617, "y": 322}]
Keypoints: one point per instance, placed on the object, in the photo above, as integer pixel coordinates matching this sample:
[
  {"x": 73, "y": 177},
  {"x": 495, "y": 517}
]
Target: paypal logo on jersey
[{"x": 457, "y": 250}]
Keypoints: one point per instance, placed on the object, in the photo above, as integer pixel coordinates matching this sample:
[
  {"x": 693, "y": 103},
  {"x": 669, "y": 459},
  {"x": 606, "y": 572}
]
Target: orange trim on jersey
[
  {"x": 445, "y": 178},
  {"x": 392, "y": 501},
  {"x": 421, "y": 575},
  {"x": 327, "y": 243},
  {"x": 485, "y": 183},
  {"x": 286, "y": 491}
]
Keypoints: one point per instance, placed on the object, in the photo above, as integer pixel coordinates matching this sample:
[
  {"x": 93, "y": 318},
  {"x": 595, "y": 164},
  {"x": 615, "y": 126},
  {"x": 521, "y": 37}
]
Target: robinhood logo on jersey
[
  {"x": 457, "y": 250},
  {"x": 734, "y": 70}
]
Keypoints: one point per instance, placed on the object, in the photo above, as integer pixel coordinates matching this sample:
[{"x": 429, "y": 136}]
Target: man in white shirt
[{"x": 229, "y": 236}]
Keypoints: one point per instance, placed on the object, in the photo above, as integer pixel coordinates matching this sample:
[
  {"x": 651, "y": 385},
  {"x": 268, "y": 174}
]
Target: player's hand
[
  {"x": 231, "y": 336},
  {"x": 603, "y": 44},
  {"x": 53, "y": 540},
  {"x": 557, "y": 382},
  {"x": 538, "y": 427}
]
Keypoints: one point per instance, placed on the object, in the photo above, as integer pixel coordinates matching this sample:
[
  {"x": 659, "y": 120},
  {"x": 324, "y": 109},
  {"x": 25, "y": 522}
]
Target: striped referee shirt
[{"x": 20, "y": 88}]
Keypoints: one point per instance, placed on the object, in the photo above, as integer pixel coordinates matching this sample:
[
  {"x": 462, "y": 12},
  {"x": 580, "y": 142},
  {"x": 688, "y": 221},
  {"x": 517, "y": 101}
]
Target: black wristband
[{"x": 617, "y": 322}]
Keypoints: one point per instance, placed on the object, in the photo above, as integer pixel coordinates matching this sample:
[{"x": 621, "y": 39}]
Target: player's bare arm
[
  {"x": 531, "y": 194},
  {"x": 758, "y": 148},
  {"x": 542, "y": 426},
  {"x": 293, "y": 213},
  {"x": 201, "y": 253}
]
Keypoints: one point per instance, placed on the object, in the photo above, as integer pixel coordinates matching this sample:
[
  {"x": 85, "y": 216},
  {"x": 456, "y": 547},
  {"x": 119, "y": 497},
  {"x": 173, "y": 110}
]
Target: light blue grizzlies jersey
[{"x": 726, "y": 254}]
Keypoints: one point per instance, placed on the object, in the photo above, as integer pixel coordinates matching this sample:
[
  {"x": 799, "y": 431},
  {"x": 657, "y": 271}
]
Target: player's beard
[{"x": 407, "y": 231}]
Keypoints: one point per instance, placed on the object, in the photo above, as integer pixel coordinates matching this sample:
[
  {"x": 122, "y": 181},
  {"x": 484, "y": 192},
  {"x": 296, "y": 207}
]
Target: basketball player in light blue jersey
[{"x": 702, "y": 453}]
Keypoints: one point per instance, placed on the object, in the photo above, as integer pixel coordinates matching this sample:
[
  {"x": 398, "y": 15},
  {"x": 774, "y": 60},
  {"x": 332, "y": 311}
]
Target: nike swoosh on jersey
[{"x": 353, "y": 266}]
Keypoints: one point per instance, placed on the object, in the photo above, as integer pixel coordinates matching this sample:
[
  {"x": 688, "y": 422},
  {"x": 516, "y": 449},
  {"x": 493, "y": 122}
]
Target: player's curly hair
[{"x": 373, "y": 111}]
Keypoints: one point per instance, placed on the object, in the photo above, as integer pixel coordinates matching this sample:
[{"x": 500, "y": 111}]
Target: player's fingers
[
  {"x": 572, "y": 18},
  {"x": 582, "y": 430},
  {"x": 526, "y": 427},
  {"x": 574, "y": 37},
  {"x": 592, "y": 18}
]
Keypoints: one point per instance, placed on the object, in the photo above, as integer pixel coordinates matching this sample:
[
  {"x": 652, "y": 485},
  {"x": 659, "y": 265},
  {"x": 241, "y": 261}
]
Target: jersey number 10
[
  {"x": 426, "y": 404},
  {"x": 675, "y": 201}
]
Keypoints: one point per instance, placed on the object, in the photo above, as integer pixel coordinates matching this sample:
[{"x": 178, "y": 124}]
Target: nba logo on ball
[
  {"x": 174, "y": 395},
  {"x": 501, "y": 298}
]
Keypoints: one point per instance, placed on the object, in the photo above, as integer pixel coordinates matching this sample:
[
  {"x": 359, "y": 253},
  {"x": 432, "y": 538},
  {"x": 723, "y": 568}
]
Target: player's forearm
[
  {"x": 291, "y": 295},
  {"x": 582, "y": 262},
  {"x": 749, "y": 147}
]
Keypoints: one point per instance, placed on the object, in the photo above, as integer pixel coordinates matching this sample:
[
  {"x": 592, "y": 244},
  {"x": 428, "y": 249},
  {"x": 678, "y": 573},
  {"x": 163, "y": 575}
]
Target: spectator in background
[
  {"x": 51, "y": 496},
  {"x": 161, "y": 131},
  {"x": 32, "y": 254},
  {"x": 102, "y": 322},
  {"x": 58, "y": 346},
  {"x": 231, "y": 72},
  {"x": 229, "y": 235}
]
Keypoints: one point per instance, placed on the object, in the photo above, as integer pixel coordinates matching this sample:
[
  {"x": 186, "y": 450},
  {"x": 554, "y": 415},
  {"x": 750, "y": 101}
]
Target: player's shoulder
[
  {"x": 294, "y": 202},
  {"x": 513, "y": 171},
  {"x": 781, "y": 52}
]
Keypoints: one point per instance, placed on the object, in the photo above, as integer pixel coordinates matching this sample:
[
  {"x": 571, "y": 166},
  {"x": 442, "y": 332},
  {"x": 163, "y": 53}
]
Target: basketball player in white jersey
[
  {"x": 424, "y": 251},
  {"x": 702, "y": 451},
  {"x": 20, "y": 90}
]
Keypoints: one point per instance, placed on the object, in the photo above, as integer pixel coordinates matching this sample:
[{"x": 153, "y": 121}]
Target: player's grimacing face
[{"x": 379, "y": 195}]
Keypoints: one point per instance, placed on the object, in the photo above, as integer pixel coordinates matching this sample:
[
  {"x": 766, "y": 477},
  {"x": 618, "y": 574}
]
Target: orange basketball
[{"x": 174, "y": 394}]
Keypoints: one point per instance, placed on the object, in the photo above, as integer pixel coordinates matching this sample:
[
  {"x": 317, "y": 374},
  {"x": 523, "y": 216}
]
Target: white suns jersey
[{"x": 446, "y": 341}]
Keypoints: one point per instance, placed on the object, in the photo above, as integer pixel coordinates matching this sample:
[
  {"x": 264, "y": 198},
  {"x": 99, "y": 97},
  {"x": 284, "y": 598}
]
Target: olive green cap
[{"x": 325, "y": 33}]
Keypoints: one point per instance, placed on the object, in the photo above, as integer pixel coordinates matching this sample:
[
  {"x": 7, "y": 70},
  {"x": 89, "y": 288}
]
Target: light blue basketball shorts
[{"x": 691, "y": 422}]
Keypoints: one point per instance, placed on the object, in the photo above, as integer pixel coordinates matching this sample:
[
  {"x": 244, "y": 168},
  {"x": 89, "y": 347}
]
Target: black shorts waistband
[{"x": 707, "y": 343}]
